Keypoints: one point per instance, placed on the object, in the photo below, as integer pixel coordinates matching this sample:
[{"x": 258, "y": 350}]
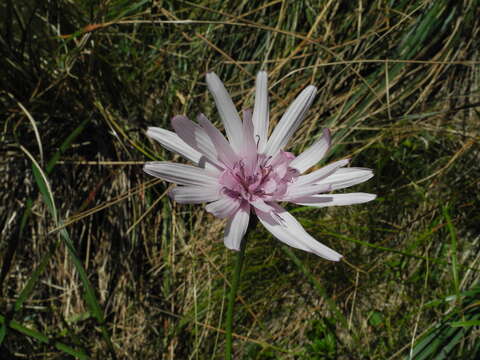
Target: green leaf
[
  {"x": 375, "y": 319},
  {"x": 15, "y": 325},
  {"x": 465, "y": 323},
  {"x": 42, "y": 184},
  {"x": 90, "y": 297}
]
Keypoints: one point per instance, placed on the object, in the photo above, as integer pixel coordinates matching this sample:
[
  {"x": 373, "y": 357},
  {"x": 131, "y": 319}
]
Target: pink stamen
[{"x": 250, "y": 183}]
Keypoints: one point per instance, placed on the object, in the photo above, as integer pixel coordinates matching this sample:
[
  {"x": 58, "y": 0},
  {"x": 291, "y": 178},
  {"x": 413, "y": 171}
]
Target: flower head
[{"x": 252, "y": 172}]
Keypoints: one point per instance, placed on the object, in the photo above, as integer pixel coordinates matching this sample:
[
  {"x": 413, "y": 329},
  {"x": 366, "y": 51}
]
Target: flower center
[{"x": 264, "y": 178}]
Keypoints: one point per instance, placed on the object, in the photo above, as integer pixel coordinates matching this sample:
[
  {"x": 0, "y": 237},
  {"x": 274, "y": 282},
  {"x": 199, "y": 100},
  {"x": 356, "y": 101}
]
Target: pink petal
[
  {"x": 224, "y": 207},
  {"x": 249, "y": 146},
  {"x": 171, "y": 141},
  {"x": 281, "y": 162},
  {"x": 223, "y": 149},
  {"x": 292, "y": 233},
  {"x": 290, "y": 121},
  {"x": 196, "y": 137},
  {"x": 313, "y": 154},
  {"x": 180, "y": 174},
  {"x": 237, "y": 227},
  {"x": 226, "y": 109},
  {"x": 261, "y": 111},
  {"x": 195, "y": 194}
]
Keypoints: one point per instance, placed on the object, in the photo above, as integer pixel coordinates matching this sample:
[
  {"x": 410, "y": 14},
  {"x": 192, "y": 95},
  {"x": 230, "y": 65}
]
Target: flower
[{"x": 252, "y": 172}]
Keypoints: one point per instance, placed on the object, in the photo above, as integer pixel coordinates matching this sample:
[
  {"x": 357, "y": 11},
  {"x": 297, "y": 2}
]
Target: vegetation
[{"x": 96, "y": 262}]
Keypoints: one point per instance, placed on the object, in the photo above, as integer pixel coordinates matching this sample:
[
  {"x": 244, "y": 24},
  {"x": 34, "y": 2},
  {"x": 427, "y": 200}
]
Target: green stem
[
  {"x": 234, "y": 287},
  {"x": 231, "y": 298}
]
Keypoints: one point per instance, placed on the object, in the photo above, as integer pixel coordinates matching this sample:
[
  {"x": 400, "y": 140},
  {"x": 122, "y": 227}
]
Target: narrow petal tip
[
  {"x": 226, "y": 109},
  {"x": 328, "y": 135},
  {"x": 153, "y": 132},
  {"x": 147, "y": 168},
  {"x": 337, "y": 258},
  {"x": 212, "y": 79},
  {"x": 177, "y": 119},
  {"x": 262, "y": 74},
  {"x": 150, "y": 131},
  {"x": 310, "y": 91}
]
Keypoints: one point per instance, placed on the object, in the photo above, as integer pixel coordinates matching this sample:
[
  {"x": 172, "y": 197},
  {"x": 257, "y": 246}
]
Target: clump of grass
[{"x": 398, "y": 86}]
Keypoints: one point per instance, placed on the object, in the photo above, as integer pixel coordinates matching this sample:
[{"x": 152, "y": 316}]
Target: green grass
[{"x": 97, "y": 263}]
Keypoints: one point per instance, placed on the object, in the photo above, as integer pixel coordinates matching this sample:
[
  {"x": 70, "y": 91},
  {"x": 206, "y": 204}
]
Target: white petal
[
  {"x": 224, "y": 207},
  {"x": 171, "y": 141},
  {"x": 310, "y": 184},
  {"x": 317, "y": 175},
  {"x": 292, "y": 233},
  {"x": 262, "y": 205},
  {"x": 195, "y": 194},
  {"x": 195, "y": 137},
  {"x": 225, "y": 153},
  {"x": 236, "y": 228},
  {"x": 278, "y": 230},
  {"x": 346, "y": 177},
  {"x": 335, "y": 199},
  {"x": 261, "y": 110},
  {"x": 295, "y": 192},
  {"x": 290, "y": 121},
  {"x": 226, "y": 109},
  {"x": 179, "y": 173},
  {"x": 313, "y": 154}
]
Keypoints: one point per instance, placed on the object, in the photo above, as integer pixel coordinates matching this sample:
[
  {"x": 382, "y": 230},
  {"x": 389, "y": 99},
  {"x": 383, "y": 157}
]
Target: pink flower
[{"x": 251, "y": 172}]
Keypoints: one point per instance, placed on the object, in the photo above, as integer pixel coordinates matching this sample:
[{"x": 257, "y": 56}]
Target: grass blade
[{"x": 15, "y": 325}]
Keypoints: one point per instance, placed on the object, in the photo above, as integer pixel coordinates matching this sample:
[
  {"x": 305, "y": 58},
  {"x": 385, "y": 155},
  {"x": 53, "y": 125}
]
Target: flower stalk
[{"x": 235, "y": 282}]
